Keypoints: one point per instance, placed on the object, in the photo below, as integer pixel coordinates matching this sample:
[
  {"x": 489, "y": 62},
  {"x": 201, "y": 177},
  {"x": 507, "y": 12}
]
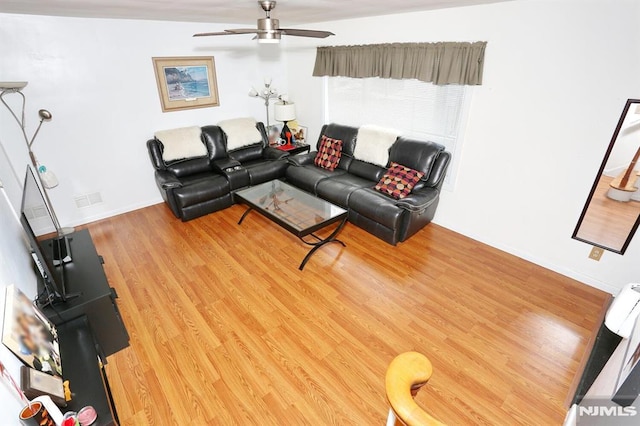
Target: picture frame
[
  {"x": 273, "y": 133},
  {"x": 29, "y": 335},
  {"x": 299, "y": 134},
  {"x": 186, "y": 82},
  {"x": 628, "y": 384}
]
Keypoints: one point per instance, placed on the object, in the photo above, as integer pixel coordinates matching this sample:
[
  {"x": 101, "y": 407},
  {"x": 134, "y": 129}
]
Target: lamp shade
[
  {"x": 13, "y": 85},
  {"x": 285, "y": 112}
]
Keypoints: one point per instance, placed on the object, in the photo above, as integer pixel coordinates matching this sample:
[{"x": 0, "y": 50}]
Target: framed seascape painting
[
  {"x": 186, "y": 82},
  {"x": 29, "y": 335}
]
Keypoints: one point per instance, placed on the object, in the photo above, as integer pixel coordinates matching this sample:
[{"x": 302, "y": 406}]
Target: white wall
[
  {"x": 97, "y": 79},
  {"x": 556, "y": 77}
]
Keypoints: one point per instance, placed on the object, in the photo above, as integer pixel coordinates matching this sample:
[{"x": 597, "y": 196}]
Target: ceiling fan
[{"x": 269, "y": 30}]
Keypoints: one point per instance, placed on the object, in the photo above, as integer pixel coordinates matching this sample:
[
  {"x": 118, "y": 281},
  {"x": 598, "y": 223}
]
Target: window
[{"x": 415, "y": 108}]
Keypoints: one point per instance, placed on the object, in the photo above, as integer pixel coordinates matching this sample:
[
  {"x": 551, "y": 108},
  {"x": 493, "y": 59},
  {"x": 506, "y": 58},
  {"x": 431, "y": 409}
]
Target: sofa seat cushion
[
  {"x": 338, "y": 189},
  {"x": 377, "y": 207},
  {"x": 398, "y": 181},
  {"x": 307, "y": 177},
  {"x": 199, "y": 188},
  {"x": 261, "y": 171}
]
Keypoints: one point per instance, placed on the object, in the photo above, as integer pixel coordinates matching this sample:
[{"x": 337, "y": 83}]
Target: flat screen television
[{"x": 50, "y": 248}]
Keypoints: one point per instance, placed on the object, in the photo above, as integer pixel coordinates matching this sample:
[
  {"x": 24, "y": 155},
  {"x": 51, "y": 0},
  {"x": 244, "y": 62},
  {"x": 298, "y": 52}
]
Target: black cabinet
[
  {"x": 96, "y": 299},
  {"x": 82, "y": 367}
]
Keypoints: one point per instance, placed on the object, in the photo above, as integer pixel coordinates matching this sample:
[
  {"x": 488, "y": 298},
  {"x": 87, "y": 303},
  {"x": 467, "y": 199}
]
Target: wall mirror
[{"x": 611, "y": 214}]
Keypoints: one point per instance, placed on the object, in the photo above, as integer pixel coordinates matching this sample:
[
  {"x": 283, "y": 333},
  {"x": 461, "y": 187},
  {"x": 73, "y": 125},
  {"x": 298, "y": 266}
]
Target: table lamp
[{"x": 285, "y": 111}]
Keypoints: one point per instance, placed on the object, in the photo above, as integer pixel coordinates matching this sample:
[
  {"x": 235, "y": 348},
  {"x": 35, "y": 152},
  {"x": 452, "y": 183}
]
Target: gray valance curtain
[{"x": 439, "y": 63}]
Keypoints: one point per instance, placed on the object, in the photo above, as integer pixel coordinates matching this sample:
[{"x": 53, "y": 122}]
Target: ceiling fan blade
[
  {"x": 211, "y": 34},
  {"x": 243, "y": 31},
  {"x": 228, "y": 32},
  {"x": 269, "y": 30},
  {"x": 306, "y": 33}
]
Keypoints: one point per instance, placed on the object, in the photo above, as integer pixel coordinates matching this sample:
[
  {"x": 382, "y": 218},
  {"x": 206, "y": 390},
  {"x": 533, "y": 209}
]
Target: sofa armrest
[
  {"x": 167, "y": 180},
  {"x": 419, "y": 200},
  {"x": 223, "y": 165},
  {"x": 270, "y": 153},
  {"x": 302, "y": 159},
  {"x": 155, "y": 154}
]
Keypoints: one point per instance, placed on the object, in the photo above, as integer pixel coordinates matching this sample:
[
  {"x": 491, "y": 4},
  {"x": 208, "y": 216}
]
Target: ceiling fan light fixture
[
  {"x": 269, "y": 38},
  {"x": 268, "y": 29}
]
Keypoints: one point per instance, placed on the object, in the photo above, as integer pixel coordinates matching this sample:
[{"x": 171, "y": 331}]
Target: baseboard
[
  {"x": 116, "y": 212},
  {"x": 585, "y": 279}
]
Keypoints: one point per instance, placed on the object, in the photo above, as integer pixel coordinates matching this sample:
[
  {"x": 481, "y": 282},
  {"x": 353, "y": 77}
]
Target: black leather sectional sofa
[
  {"x": 198, "y": 186},
  {"x": 195, "y": 187},
  {"x": 351, "y": 184}
]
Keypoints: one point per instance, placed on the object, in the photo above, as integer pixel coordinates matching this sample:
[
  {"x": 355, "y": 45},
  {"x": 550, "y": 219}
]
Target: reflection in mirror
[{"x": 612, "y": 212}]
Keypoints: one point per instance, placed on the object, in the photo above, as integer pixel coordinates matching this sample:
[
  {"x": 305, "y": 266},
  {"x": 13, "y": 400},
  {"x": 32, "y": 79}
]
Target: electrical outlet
[{"x": 596, "y": 253}]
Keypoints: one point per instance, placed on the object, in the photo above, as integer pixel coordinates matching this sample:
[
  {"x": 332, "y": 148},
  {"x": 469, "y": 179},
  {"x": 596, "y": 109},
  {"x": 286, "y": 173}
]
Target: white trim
[{"x": 533, "y": 259}]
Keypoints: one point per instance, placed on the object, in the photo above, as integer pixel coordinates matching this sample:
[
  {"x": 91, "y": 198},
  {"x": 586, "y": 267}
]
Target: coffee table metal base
[
  {"x": 320, "y": 242},
  {"x": 316, "y": 244}
]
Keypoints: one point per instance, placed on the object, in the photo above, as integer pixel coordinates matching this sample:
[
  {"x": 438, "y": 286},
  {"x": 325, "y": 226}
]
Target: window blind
[{"x": 414, "y": 108}]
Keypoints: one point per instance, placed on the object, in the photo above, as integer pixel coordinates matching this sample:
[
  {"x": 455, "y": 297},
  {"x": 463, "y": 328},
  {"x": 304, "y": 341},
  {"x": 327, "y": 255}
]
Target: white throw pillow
[
  {"x": 240, "y": 132},
  {"x": 181, "y": 143},
  {"x": 373, "y": 143}
]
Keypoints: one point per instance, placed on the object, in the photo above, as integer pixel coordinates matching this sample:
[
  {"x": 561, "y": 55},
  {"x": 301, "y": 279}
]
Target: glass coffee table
[{"x": 295, "y": 210}]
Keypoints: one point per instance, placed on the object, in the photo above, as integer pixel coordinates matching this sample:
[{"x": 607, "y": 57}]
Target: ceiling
[{"x": 290, "y": 12}]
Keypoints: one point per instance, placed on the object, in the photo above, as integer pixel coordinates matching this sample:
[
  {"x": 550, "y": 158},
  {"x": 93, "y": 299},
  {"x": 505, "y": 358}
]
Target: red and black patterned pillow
[
  {"x": 329, "y": 153},
  {"x": 398, "y": 181}
]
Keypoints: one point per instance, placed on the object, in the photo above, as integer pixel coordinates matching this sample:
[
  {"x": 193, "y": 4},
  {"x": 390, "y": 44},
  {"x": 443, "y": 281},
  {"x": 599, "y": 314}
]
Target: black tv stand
[
  {"x": 47, "y": 298},
  {"x": 61, "y": 250},
  {"x": 84, "y": 278},
  {"x": 81, "y": 365}
]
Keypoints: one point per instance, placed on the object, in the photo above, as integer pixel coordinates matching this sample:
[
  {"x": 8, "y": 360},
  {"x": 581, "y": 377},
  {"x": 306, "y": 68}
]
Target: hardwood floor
[{"x": 226, "y": 330}]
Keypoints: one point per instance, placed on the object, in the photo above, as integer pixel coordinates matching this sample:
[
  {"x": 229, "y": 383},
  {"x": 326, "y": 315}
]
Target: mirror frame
[{"x": 633, "y": 229}]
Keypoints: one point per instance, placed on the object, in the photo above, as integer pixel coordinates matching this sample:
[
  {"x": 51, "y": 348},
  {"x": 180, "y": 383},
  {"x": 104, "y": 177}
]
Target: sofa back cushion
[
  {"x": 417, "y": 155},
  {"x": 183, "y": 168},
  {"x": 247, "y": 153},
  {"x": 214, "y": 139},
  {"x": 347, "y": 135},
  {"x": 180, "y": 167},
  {"x": 240, "y": 132},
  {"x": 373, "y": 143},
  {"x": 181, "y": 143},
  {"x": 366, "y": 170}
]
